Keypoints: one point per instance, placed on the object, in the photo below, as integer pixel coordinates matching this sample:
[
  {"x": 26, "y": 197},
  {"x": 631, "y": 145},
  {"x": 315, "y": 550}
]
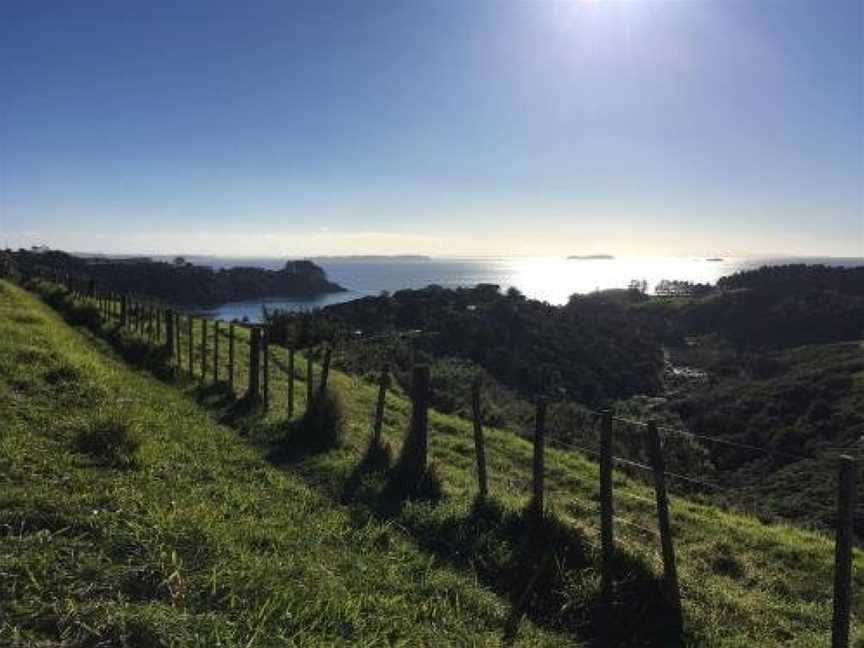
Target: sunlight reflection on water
[{"x": 551, "y": 279}]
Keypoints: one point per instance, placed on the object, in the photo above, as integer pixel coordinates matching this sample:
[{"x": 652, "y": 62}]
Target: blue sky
[{"x": 436, "y": 126}]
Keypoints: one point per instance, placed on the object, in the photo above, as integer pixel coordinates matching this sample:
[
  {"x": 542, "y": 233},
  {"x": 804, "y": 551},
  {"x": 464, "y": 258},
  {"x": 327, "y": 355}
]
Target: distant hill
[
  {"x": 180, "y": 282},
  {"x": 590, "y": 257}
]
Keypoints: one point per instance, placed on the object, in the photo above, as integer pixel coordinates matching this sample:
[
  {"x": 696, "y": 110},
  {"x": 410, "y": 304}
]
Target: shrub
[
  {"x": 323, "y": 423},
  {"x": 110, "y": 441}
]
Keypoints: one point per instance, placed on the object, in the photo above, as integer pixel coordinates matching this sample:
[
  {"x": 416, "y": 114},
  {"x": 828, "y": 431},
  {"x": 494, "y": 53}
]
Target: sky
[{"x": 443, "y": 127}]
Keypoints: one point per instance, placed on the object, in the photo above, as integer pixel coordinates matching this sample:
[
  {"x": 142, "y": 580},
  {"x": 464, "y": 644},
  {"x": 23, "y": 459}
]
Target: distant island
[
  {"x": 373, "y": 257},
  {"x": 714, "y": 259},
  {"x": 178, "y": 281},
  {"x": 590, "y": 257}
]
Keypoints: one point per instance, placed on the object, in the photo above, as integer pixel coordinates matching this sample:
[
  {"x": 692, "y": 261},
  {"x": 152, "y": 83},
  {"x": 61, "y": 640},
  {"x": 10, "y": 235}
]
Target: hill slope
[
  {"x": 270, "y": 540},
  {"x": 203, "y": 542}
]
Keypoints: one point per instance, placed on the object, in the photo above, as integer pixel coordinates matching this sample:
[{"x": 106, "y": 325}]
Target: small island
[
  {"x": 590, "y": 257},
  {"x": 714, "y": 259},
  {"x": 180, "y": 282}
]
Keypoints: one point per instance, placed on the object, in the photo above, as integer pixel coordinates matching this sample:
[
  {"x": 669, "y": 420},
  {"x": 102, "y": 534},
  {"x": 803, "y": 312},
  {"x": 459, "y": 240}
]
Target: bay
[{"x": 551, "y": 279}]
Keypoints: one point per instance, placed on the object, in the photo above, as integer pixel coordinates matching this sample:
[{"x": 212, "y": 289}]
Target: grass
[{"x": 243, "y": 534}]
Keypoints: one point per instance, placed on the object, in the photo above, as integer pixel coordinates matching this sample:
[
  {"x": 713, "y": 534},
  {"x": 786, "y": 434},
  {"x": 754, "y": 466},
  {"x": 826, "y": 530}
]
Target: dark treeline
[
  {"x": 178, "y": 282},
  {"x": 588, "y": 351}
]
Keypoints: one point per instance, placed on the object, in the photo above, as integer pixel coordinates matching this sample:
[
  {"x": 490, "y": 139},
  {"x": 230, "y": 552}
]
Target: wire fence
[{"x": 234, "y": 358}]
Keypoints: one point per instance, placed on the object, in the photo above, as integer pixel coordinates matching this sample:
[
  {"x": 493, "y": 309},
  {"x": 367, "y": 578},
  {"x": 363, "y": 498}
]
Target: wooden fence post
[
  {"x": 670, "y": 570},
  {"x": 191, "y": 346},
  {"x": 216, "y": 351},
  {"x": 846, "y": 496},
  {"x": 325, "y": 372},
  {"x": 309, "y": 379},
  {"x": 479, "y": 445},
  {"x": 537, "y": 505},
  {"x": 607, "y": 510},
  {"x": 159, "y": 316},
  {"x": 203, "y": 350},
  {"x": 169, "y": 334},
  {"x": 177, "y": 331},
  {"x": 231, "y": 356},
  {"x": 290, "y": 382},
  {"x": 254, "y": 362},
  {"x": 265, "y": 347},
  {"x": 124, "y": 315},
  {"x": 379, "y": 406}
]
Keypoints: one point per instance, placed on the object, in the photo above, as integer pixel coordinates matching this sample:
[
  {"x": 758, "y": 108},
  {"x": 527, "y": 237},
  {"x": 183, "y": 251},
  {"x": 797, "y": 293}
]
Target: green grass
[{"x": 242, "y": 535}]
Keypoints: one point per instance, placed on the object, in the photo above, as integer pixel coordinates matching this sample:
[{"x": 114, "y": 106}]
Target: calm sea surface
[{"x": 551, "y": 279}]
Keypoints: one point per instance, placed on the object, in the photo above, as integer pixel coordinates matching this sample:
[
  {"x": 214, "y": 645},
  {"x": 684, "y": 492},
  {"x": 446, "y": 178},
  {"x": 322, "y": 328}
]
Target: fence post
[
  {"x": 124, "y": 305},
  {"x": 537, "y": 505},
  {"x": 416, "y": 446},
  {"x": 670, "y": 570},
  {"x": 177, "y": 330},
  {"x": 379, "y": 406},
  {"x": 169, "y": 334},
  {"x": 265, "y": 347},
  {"x": 325, "y": 371},
  {"x": 607, "y": 509},
  {"x": 479, "y": 445},
  {"x": 847, "y": 486},
  {"x": 254, "y": 362},
  {"x": 309, "y": 379},
  {"x": 159, "y": 315},
  {"x": 216, "y": 351},
  {"x": 203, "y": 350},
  {"x": 231, "y": 356},
  {"x": 191, "y": 346},
  {"x": 290, "y": 382}
]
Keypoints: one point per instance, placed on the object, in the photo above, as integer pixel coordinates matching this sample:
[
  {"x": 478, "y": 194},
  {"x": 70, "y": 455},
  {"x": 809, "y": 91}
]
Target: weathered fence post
[
  {"x": 191, "y": 346},
  {"x": 847, "y": 486},
  {"x": 479, "y": 446},
  {"x": 379, "y": 406},
  {"x": 216, "y": 351},
  {"x": 169, "y": 333},
  {"x": 179, "y": 349},
  {"x": 414, "y": 452},
  {"x": 325, "y": 372},
  {"x": 607, "y": 510},
  {"x": 290, "y": 382},
  {"x": 309, "y": 379},
  {"x": 231, "y": 356},
  {"x": 124, "y": 315},
  {"x": 537, "y": 506},
  {"x": 265, "y": 347},
  {"x": 254, "y": 362},
  {"x": 203, "y": 350},
  {"x": 670, "y": 570},
  {"x": 159, "y": 316}
]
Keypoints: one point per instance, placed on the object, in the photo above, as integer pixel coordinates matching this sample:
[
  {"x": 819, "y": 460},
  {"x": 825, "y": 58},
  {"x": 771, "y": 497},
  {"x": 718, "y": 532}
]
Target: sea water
[{"x": 551, "y": 279}]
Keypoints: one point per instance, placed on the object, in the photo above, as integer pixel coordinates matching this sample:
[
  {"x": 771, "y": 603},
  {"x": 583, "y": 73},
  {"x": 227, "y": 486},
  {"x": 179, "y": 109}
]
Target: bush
[
  {"x": 323, "y": 423},
  {"x": 84, "y": 315},
  {"x": 110, "y": 441}
]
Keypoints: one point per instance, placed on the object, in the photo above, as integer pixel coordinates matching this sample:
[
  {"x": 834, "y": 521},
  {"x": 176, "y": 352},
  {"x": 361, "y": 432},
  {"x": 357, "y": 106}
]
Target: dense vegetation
[
  {"x": 178, "y": 282},
  {"x": 778, "y": 350},
  {"x": 588, "y": 351},
  {"x": 207, "y": 537}
]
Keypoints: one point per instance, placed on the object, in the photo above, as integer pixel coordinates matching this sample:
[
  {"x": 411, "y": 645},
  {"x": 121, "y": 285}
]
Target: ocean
[{"x": 551, "y": 279}]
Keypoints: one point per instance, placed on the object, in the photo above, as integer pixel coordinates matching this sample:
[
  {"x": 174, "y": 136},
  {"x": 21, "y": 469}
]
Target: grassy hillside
[
  {"x": 245, "y": 536},
  {"x": 200, "y": 541}
]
